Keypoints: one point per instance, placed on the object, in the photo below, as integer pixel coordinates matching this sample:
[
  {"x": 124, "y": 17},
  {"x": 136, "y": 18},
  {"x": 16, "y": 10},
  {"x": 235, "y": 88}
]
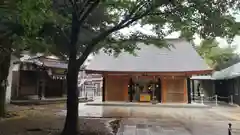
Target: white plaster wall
[{"x": 9, "y": 87}]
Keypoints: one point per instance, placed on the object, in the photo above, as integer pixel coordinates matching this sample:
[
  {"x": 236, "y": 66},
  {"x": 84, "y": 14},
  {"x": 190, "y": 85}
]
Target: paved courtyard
[
  {"x": 168, "y": 121},
  {"x": 134, "y": 120}
]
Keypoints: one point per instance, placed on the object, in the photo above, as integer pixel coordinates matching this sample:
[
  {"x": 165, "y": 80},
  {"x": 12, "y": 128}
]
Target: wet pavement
[
  {"x": 142, "y": 126},
  {"x": 168, "y": 121}
]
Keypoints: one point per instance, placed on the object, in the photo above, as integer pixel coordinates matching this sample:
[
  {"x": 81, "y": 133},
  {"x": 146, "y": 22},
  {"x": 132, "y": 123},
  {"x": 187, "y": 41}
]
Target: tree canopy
[
  {"x": 22, "y": 21},
  {"x": 76, "y": 28},
  {"x": 190, "y": 17},
  {"x": 46, "y": 25},
  {"x": 217, "y": 57}
]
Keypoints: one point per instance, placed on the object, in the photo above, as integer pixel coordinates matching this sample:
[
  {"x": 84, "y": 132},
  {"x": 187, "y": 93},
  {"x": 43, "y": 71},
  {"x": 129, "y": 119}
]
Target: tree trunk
[
  {"x": 71, "y": 122},
  {"x": 4, "y": 69},
  {"x": 2, "y": 101}
]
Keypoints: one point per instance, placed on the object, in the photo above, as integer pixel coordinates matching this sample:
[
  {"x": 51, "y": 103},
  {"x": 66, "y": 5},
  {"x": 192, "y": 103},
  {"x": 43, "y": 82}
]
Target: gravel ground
[{"x": 42, "y": 120}]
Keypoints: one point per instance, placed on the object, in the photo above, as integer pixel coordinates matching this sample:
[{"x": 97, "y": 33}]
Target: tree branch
[
  {"x": 83, "y": 4},
  {"x": 131, "y": 13},
  {"x": 89, "y": 9},
  {"x": 124, "y": 23},
  {"x": 136, "y": 7},
  {"x": 103, "y": 35},
  {"x": 74, "y": 5},
  {"x": 64, "y": 34},
  {"x": 83, "y": 12},
  {"x": 90, "y": 46},
  {"x": 137, "y": 17}
]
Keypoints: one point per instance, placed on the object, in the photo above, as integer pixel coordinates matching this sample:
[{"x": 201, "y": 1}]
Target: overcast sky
[{"x": 222, "y": 42}]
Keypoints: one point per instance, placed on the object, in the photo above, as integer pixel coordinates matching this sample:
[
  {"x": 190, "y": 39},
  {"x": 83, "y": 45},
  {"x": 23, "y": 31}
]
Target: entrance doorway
[{"x": 144, "y": 90}]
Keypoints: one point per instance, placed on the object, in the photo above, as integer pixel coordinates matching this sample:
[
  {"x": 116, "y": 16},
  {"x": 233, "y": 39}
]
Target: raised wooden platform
[{"x": 129, "y": 104}]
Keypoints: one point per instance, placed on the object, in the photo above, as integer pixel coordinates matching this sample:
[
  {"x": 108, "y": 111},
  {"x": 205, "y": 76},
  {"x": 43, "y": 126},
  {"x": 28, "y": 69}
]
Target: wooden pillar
[
  {"x": 214, "y": 88},
  {"x": 18, "y": 83},
  {"x": 103, "y": 90},
  {"x": 130, "y": 90},
  {"x": 159, "y": 89},
  {"x": 193, "y": 91},
  {"x": 41, "y": 85},
  {"x": 189, "y": 90},
  {"x": 62, "y": 89},
  {"x": 43, "y": 89}
]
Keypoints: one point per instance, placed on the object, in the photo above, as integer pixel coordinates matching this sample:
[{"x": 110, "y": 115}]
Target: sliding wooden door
[{"x": 174, "y": 92}]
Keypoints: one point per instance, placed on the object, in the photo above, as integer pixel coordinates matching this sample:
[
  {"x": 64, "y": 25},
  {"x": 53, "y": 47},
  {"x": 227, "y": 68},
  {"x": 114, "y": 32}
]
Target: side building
[
  {"x": 39, "y": 77},
  {"x": 89, "y": 83},
  {"x": 225, "y": 84}
]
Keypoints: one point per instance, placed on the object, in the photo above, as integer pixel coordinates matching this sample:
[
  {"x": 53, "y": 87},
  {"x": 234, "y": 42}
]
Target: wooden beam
[{"x": 144, "y": 73}]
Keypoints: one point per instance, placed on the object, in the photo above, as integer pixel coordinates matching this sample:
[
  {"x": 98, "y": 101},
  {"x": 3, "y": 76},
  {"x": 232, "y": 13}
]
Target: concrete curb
[{"x": 45, "y": 101}]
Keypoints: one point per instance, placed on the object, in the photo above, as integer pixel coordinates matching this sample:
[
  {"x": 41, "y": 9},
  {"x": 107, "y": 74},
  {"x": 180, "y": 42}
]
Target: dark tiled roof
[
  {"x": 179, "y": 58},
  {"x": 42, "y": 61},
  {"x": 54, "y": 63},
  {"x": 228, "y": 73}
]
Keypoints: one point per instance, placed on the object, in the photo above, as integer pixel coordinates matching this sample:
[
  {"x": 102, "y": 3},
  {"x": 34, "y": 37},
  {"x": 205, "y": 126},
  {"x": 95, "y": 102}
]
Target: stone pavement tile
[
  {"x": 142, "y": 121},
  {"x": 170, "y": 124},
  {"x": 134, "y": 121},
  {"x": 179, "y": 128},
  {"x": 142, "y": 131},
  {"x": 129, "y": 130},
  {"x": 168, "y": 130},
  {"x": 155, "y": 130},
  {"x": 181, "y": 122},
  {"x": 121, "y": 128},
  {"x": 158, "y": 130},
  {"x": 142, "y": 126},
  {"x": 119, "y": 133},
  {"x": 129, "y": 133},
  {"x": 207, "y": 130}
]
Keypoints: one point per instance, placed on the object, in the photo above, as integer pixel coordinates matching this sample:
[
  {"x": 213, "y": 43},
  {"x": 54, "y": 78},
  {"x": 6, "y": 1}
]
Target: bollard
[
  {"x": 231, "y": 99},
  {"x": 201, "y": 98},
  {"x": 216, "y": 100},
  {"x": 86, "y": 95},
  {"x": 229, "y": 129}
]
